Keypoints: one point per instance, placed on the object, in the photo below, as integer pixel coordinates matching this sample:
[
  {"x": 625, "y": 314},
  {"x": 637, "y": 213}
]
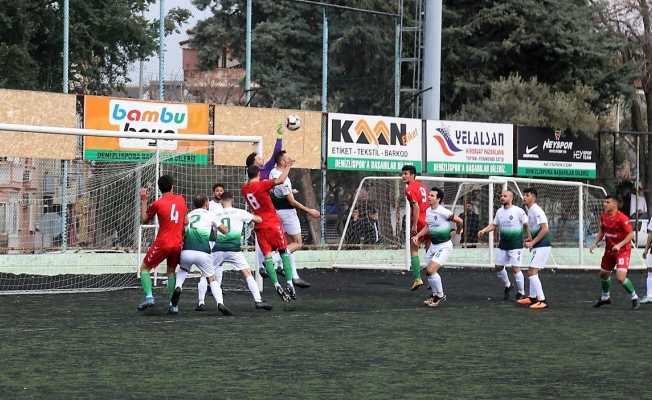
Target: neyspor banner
[
  {"x": 553, "y": 153},
  {"x": 124, "y": 115},
  {"x": 373, "y": 143},
  {"x": 473, "y": 148}
]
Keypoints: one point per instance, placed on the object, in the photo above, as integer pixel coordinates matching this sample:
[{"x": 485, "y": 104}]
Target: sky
[{"x": 173, "y": 65}]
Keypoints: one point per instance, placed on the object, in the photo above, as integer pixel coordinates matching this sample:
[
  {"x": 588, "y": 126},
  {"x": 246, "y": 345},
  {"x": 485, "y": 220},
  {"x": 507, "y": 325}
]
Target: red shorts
[
  {"x": 270, "y": 239},
  {"x": 619, "y": 259},
  {"x": 421, "y": 223},
  {"x": 157, "y": 253}
]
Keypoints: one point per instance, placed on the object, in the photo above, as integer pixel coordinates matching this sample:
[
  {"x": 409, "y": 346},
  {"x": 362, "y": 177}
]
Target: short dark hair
[
  {"x": 215, "y": 186},
  {"x": 227, "y": 196},
  {"x": 278, "y": 156},
  {"x": 532, "y": 191},
  {"x": 612, "y": 197},
  {"x": 509, "y": 190},
  {"x": 199, "y": 200},
  {"x": 253, "y": 171},
  {"x": 165, "y": 183},
  {"x": 410, "y": 168},
  {"x": 440, "y": 192},
  {"x": 251, "y": 158}
]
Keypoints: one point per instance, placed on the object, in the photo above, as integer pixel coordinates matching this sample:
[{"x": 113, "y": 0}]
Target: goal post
[
  {"x": 74, "y": 225},
  {"x": 573, "y": 210}
]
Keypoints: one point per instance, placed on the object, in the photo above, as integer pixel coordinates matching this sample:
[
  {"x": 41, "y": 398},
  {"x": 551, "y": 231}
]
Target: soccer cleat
[
  {"x": 224, "y": 310},
  {"x": 636, "y": 304},
  {"x": 300, "y": 283},
  {"x": 646, "y": 300},
  {"x": 173, "y": 309},
  {"x": 416, "y": 284},
  {"x": 281, "y": 293},
  {"x": 508, "y": 291},
  {"x": 148, "y": 303},
  {"x": 174, "y": 301},
  {"x": 602, "y": 302},
  {"x": 518, "y": 296},
  {"x": 200, "y": 307},
  {"x": 429, "y": 299},
  {"x": 289, "y": 289},
  {"x": 262, "y": 305},
  {"x": 526, "y": 301},
  {"x": 539, "y": 305},
  {"x": 435, "y": 301}
]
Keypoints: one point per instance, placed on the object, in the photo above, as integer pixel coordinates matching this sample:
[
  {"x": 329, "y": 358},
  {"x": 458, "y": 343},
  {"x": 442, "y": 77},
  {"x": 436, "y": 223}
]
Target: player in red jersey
[
  {"x": 269, "y": 232},
  {"x": 171, "y": 211},
  {"x": 615, "y": 228},
  {"x": 417, "y": 196}
]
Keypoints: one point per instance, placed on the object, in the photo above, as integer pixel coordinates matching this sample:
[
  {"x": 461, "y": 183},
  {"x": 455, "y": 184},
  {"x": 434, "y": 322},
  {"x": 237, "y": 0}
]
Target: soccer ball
[{"x": 293, "y": 123}]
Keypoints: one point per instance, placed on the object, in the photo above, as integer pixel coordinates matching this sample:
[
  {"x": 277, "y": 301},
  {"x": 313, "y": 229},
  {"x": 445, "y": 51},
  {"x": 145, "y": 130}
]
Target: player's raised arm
[
  {"x": 296, "y": 204},
  {"x": 285, "y": 171},
  {"x": 145, "y": 213}
]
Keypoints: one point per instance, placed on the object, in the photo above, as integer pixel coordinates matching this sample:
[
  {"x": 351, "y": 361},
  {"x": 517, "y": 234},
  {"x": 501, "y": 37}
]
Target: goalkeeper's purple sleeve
[{"x": 269, "y": 165}]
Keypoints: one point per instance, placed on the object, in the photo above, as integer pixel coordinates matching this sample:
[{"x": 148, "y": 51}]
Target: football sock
[
  {"x": 146, "y": 282},
  {"x": 217, "y": 292},
  {"x": 520, "y": 282},
  {"x": 649, "y": 284},
  {"x": 181, "y": 277},
  {"x": 287, "y": 267},
  {"x": 416, "y": 267},
  {"x": 202, "y": 288},
  {"x": 259, "y": 255},
  {"x": 295, "y": 274},
  {"x": 502, "y": 275},
  {"x": 606, "y": 285},
  {"x": 276, "y": 258},
  {"x": 535, "y": 283},
  {"x": 629, "y": 288},
  {"x": 435, "y": 284},
  {"x": 533, "y": 289},
  {"x": 172, "y": 283},
  {"x": 271, "y": 270},
  {"x": 253, "y": 288}
]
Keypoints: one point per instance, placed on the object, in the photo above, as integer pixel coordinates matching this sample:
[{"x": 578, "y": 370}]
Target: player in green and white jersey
[
  {"x": 196, "y": 251},
  {"x": 539, "y": 244},
  {"x": 227, "y": 247},
  {"x": 511, "y": 222},
  {"x": 439, "y": 227}
]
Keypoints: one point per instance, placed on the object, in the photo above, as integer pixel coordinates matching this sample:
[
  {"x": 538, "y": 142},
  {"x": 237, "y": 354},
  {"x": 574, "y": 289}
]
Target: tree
[
  {"x": 105, "y": 38},
  {"x": 556, "y": 41}
]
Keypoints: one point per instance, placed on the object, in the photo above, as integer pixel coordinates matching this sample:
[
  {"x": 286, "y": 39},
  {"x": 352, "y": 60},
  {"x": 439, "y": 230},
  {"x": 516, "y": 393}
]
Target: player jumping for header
[{"x": 618, "y": 234}]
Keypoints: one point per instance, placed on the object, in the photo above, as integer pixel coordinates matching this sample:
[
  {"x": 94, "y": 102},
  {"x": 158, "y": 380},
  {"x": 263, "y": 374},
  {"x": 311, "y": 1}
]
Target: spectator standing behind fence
[
  {"x": 470, "y": 225},
  {"x": 371, "y": 228},
  {"x": 353, "y": 233}
]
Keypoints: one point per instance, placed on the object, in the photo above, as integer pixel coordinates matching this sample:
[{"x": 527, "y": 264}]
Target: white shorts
[
  {"x": 648, "y": 260},
  {"x": 439, "y": 252},
  {"x": 201, "y": 260},
  {"x": 513, "y": 258},
  {"x": 235, "y": 258},
  {"x": 540, "y": 256},
  {"x": 290, "y": 221}
]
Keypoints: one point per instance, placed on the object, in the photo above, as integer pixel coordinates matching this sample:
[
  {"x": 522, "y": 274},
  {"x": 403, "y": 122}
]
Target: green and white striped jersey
[
  {"x": 234, "y": 219},
  {"x": 536, "y": 217},
  {"x": 439, "y": 224},
  {"x": 510, "y": 223},
  {"x": 198, "y": 231}
]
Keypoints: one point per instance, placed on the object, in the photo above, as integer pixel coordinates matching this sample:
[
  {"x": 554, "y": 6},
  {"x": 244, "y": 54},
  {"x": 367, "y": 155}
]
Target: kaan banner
[
  {"x": 112, "y": 114},
  {"x": 472, "y": 148},
  {"x": 554, "y": 153},
  {"x": 373, "y": 143}
]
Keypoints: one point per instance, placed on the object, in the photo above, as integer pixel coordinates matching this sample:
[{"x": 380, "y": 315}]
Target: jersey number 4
[{"x": 174, "y": 214}]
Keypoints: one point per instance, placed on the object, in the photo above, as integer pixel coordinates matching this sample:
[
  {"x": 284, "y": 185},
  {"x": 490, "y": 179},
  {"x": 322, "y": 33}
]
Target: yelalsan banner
[{"x": 126, "y": 115}]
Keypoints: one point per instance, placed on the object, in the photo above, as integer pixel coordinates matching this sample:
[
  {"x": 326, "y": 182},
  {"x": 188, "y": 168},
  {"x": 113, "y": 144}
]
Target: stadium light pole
[
  {"x": 248, "y": 53},
  {"x": 324, "y": 109},
  {"x": 161, "y": 51},
  {"x": 66, "y": 25},
  {"x": 432, "y": 60}
]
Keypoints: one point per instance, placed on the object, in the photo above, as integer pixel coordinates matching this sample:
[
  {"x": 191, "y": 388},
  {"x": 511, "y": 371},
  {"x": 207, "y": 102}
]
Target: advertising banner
[
  {"x": 471, "y": 148},
  {"x": 125, "y": 115},
  {"x": 546, "y": 152},
  {"x": 373, "y": 143}
]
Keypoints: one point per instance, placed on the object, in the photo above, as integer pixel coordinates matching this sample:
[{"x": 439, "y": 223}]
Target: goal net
[
  {"x": 375, "y": 236},
  {"x": 74, "y": 225}
]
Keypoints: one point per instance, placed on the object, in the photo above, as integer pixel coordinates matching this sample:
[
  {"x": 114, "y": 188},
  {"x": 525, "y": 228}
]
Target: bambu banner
[
  {"x": 124, "y": 115},
  {"x": 373, "y": 143},
  {"x": 473, "y": 148}
]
